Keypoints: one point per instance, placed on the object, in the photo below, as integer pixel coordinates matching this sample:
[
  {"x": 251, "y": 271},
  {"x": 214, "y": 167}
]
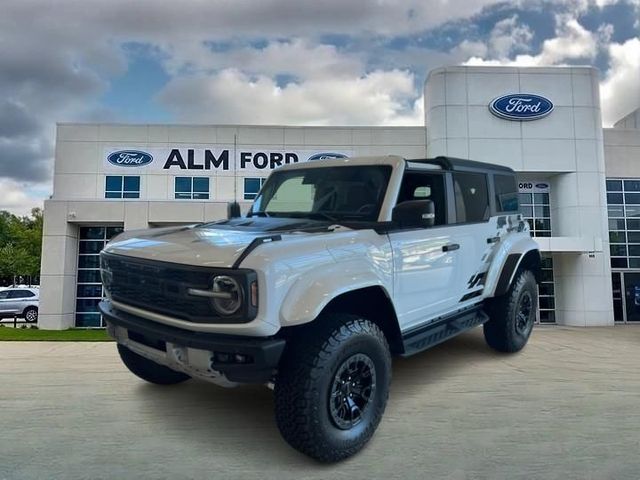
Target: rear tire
[
  {"x": 332, "y": 387},
  {"x": 148, "y": 370},
  {"x": 512, "y": 315},
  {"x": 30, "y": 314}
]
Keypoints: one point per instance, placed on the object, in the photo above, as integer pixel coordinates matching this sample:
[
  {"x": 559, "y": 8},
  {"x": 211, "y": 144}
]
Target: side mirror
[
  {"x": 233, "y": 210},
  {"x": 414, "y": 214}
]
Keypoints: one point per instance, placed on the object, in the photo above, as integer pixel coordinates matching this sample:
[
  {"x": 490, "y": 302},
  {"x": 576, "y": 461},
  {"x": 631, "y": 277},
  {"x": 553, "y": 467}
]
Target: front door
[{"x": 426, "y": 260}]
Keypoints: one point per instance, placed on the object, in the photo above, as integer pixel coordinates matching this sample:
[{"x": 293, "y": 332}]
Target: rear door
[
  {"x": 21, "y": 299},
  {"x": 474, "y": 231}
]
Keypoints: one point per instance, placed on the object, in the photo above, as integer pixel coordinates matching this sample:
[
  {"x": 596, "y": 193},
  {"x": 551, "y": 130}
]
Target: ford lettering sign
[
  {"x": 521, "y": 106},
  {"x": 326, "y": 156},
  {"x": 130, "y": 158}
]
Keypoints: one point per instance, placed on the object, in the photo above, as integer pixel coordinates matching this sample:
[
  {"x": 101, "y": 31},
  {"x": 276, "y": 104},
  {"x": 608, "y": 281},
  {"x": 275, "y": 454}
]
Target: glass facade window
[
  {"x": 624, "y": 224},
  {"x": 122, "y": 186},
  {"x": 252, "y": 186},
  {"x": 535, "y": 208},
  {"x": 192, "y": 188},
  {"x": 546, "y": 291},
  {"x": 623, "y": 199},
  {"x": 89, "y": 286}
]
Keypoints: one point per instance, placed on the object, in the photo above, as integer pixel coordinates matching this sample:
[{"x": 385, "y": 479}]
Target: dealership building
[{"x": 579, "y": 183}]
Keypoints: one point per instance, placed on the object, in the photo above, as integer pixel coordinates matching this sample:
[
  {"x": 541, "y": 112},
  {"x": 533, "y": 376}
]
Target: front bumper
[{"x": 221, "y": 359}]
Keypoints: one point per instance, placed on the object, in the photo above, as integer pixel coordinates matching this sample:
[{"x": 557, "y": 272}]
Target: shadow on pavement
[{"x": 242, "y": 420}]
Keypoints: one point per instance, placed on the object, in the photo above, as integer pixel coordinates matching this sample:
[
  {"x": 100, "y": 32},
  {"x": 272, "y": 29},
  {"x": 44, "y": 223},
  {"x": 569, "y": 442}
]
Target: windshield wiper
[
  {"x": 323, "y": 215},
  {"x": 258, "y": 214},
  {"x": 310, "y": 215}
]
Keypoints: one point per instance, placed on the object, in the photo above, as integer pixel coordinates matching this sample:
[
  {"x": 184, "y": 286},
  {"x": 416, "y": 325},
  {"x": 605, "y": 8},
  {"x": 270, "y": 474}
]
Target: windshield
[{"x": 334, "y": 194}]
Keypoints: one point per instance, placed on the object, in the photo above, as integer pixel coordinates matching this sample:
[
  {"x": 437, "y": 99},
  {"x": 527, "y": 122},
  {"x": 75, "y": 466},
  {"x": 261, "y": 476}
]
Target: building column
[
  {"x": 582, "y": 280},
  {"x": 58, "y": 270}
]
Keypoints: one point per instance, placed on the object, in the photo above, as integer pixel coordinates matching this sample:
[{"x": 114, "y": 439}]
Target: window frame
[
  {"x": 122, "y": 193},
  {"x": 192, "y": 192},
  {"x": 244, "y": 187}
]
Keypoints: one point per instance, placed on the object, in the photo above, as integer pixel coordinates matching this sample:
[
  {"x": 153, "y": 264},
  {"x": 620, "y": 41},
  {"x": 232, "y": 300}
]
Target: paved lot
[{"x": 568, "y": 407}]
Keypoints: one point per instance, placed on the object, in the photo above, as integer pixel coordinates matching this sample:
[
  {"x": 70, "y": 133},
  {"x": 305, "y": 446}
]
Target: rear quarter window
[
  {"x": 506, "y": 193},
  {"x": 471, "y": 197}
]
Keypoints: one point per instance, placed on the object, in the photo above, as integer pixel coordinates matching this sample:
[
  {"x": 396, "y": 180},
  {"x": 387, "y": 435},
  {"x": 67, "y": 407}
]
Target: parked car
[
  {"x": 20, "y": 301},
  {"x": 338, "y": 265}
]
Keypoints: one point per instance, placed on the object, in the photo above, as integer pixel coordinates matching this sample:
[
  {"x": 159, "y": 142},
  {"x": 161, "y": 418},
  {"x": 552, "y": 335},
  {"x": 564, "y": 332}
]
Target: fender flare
[
  {"x": 525, "y": 250},
  {"x": 311, "y": 294},
  {"x": 511, "y": 267}
]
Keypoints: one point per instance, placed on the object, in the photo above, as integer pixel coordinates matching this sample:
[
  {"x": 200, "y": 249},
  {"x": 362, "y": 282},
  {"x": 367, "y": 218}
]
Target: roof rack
[{"x": 452, "y": 163}]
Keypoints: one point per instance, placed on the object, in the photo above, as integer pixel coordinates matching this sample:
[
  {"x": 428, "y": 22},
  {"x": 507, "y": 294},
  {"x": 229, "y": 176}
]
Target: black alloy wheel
[{"x": 354, "y": 385}]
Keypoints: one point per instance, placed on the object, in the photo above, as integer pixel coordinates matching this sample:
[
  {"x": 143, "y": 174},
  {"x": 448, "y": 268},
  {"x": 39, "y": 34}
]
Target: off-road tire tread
[
  {"x": 148, "y": 370},
  {"x": 304, "y": 361},
  {"x": 499, "y": 331}
]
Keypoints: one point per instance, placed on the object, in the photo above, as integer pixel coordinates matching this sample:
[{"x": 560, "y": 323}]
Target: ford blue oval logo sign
[
  {"x": 521, "y": 106},
  {"x": 130, "y": 158},
  {"x": 326, "y": 156}
]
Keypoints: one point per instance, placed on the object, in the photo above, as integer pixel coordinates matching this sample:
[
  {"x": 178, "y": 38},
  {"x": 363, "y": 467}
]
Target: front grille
[{"x": 161, "y": 287}]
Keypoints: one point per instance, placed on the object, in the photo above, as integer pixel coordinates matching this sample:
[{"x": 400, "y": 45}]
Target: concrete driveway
[{"x": 567, "y": 407}]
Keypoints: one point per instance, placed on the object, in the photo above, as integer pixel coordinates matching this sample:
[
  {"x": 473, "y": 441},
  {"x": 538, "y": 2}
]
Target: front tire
[
  {"x": 30, "y": 314},
  {"x": 148, "y": 370},
  {"x": 512, "y": 315},
  {"x": 332, "y": 387}
]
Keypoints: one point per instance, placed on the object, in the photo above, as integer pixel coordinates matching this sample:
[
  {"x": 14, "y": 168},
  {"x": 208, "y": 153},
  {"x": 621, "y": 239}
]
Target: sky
[{"x": 293, "y": 62}]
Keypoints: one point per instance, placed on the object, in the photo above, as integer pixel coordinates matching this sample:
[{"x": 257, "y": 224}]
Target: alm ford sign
[
  {"x": 130, "y": 158},
  {"x": 521, "y": 106}
]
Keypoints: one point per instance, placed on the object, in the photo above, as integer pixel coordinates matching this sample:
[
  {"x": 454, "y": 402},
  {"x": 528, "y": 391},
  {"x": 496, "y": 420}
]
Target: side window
[
  {"x": 20, "y": 294},
  {"x": 506, "y": 193},
  {"x": 472, "y": 197},
  {"x": 4, "y": 294},
  {"x": 425, "y": 186}
]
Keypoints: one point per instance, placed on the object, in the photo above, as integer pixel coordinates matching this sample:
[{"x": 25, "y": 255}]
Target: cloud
[
  {"x": 508, "y": 36},
  {"x": 572, "y": 42},
  {"x": 16, "y": 197},
  {"x": 267, "y": 61},
  {"x": 620, "y": 89},
  {"x": 231, "y": 96}
]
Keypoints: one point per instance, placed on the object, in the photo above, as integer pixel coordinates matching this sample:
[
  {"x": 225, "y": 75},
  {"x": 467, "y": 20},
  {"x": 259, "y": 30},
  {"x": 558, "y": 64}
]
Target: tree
[{"x": 20, "y": 244}]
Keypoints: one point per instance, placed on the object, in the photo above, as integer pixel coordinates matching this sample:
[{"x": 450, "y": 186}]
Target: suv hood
[{"x": 216, "y": 244}]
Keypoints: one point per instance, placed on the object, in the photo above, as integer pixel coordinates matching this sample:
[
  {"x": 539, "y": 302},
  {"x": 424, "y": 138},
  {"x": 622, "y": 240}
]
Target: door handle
[
  {"x": 449, "y": 247},
  {"x": 493, "y": 239}
]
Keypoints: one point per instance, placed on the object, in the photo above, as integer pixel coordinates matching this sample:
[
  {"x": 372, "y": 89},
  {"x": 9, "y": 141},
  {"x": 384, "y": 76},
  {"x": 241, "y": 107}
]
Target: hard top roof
[{"x": 461, "y": 164}]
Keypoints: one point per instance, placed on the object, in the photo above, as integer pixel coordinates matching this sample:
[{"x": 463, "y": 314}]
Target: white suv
[
  {"x": 338, "y": 265},
  {"x": 21, "y": 302}
]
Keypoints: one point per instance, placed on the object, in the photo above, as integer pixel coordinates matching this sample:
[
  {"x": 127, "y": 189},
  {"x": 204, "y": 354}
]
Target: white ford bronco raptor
[{"x": 338, "y": 265}]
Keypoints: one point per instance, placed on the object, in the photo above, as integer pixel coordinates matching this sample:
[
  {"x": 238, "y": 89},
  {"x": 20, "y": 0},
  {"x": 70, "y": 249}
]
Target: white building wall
[
  {"x": 566, "y": 149},
  {"x": 622, "y": 152},
  {"x": 79, "y": 185},
  {"x": 566, "y": 146}
]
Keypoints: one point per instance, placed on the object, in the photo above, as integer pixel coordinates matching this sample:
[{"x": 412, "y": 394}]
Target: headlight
[{"x": 227, "y": 294}]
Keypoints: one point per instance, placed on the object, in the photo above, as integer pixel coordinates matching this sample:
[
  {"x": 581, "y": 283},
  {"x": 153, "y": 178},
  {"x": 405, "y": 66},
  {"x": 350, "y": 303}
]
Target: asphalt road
[{"x": 567, "y": 407}]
